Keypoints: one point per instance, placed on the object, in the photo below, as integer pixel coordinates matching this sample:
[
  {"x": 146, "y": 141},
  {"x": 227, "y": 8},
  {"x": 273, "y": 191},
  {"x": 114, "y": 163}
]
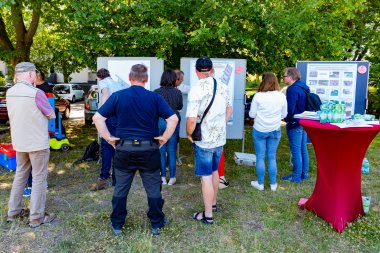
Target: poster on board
[
  {"x": 224, "y": 72},
  {"x": 119, "y": 70},
  {"x": 333, "y": 81}
]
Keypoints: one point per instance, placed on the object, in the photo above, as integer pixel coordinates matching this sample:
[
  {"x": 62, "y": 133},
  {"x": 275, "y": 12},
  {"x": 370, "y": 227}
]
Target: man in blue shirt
[
  {"x": 296, "y": 98},
  {"x": 106, "y": 86},
  {"x": 137, "y": 145}
]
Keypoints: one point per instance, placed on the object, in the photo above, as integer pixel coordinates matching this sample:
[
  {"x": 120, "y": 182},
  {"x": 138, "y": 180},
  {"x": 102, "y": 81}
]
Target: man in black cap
[
  {"x": 208, "y": 151},
  {"x": 29, "y": 112}
]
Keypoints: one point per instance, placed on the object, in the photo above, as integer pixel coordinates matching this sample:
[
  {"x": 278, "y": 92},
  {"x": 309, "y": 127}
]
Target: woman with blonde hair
[{"x": 268, "y": 107}]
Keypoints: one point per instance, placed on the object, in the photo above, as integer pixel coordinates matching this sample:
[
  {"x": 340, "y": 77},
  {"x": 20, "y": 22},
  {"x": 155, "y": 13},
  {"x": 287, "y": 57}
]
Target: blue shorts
[{"x": 206, "y": 160}]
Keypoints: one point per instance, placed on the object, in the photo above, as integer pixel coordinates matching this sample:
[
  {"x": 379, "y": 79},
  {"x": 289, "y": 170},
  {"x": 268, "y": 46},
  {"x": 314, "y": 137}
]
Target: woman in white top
[{"x": 268, "y": 107}]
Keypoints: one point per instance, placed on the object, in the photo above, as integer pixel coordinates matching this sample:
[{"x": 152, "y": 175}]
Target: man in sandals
[
  {"x": 29, "y": 112},
  {"x": 207, "y": 152}
]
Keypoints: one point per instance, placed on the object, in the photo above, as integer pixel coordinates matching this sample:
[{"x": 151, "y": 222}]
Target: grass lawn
[{"x": 248, "y": 221}]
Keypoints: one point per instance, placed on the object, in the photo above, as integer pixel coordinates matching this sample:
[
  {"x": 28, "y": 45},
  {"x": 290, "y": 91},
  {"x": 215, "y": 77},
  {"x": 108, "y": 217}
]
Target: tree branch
[
  {"x": 18, "y": 23},
  {"x": 33, "y": 24}
]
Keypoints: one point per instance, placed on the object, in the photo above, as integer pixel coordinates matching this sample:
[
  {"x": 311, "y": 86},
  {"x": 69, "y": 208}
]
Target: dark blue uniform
[{"x": 137, "y": 111}]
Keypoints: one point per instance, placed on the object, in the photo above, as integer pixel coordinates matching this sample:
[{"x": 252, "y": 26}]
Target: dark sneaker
[
  {"x": 101, "y": 184},
  {"x": 49, "y": 217},
  {"x": 24, "y": 213},
  {"x": 156, "y": 231}
]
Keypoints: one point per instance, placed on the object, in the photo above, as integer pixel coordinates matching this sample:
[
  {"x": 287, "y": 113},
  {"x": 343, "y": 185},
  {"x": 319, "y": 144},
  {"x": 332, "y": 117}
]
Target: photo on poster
[
  {"x": 347, "y": 83},
  {"x": 321, "y": 91},
  {"x": 334, "y": 82},
  {"x": 334, "y": 93},
  {"x": 313, "y": 82},
  {"x": 323, "y": 82},
  {"x": 224, "y": 72},
  {"x": 334, "y": 74},
  {"x": 348, "y": 74},
  {"x": 313, "y": 74},
  {"x": 120, "y": 69},
  {"x": 347, "y": 91}
]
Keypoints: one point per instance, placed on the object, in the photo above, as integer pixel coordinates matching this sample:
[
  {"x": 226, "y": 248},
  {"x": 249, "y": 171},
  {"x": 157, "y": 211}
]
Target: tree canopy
[{"x": 270, "y": 34}]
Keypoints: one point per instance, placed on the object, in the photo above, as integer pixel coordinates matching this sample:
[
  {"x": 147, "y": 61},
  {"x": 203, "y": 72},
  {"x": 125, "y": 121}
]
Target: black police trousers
[{"x": 142, "y": 156}]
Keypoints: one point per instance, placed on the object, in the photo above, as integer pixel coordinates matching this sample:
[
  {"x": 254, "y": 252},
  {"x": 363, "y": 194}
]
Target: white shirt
[
  {"x": 111, "y": 85},
  {"x": 268, "y": 108},
  {"x": 214, "y": 123}
]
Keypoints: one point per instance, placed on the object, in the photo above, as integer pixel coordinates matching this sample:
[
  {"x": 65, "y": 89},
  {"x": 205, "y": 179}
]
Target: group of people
[{"x": 140, "y": 132}]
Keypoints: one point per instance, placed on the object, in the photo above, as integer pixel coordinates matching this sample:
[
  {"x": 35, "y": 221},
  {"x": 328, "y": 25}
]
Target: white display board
[
  {"x": 117, "y": 69},
  {"x": 120, "y": 67}
]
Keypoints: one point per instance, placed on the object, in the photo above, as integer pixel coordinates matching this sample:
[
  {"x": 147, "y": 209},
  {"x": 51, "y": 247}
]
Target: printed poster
[
  {"x": 120, "y": 69},
  {"x": 334, "y": 82}
]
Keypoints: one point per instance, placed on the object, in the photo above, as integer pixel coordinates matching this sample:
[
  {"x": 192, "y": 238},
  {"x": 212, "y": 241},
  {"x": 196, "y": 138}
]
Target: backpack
[
  {"x": 91, "y": 153},
  {"x": 313, "y": 102}
]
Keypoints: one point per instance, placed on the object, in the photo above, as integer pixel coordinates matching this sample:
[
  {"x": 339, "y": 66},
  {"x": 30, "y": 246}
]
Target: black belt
[{"x": 138, "y": 142}]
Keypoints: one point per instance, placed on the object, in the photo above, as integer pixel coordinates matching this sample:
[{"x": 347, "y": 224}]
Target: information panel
[
  {"x": 342, "y": 81},
  {"x": 119, "y": 68}
]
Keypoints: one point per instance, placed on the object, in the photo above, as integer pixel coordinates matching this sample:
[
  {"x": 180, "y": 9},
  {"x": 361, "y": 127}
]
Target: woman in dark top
[{"x": 173, "y": 97}]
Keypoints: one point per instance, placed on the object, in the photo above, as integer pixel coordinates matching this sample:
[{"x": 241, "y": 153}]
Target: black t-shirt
[{"x": 45, "y": 87}]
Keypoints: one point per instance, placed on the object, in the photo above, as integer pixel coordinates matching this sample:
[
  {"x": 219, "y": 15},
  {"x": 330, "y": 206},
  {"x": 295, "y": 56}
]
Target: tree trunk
[{"x": 24, "y": 38}]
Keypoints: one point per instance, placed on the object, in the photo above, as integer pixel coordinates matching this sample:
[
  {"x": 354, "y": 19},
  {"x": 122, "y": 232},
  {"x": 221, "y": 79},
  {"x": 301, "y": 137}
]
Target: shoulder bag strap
[{"x": 212, "y": 100}]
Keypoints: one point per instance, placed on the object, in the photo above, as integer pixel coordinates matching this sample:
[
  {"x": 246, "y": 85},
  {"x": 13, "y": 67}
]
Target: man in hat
[
  {"x": 208, "y": 151},
  {"x": 29, "y": 112}
]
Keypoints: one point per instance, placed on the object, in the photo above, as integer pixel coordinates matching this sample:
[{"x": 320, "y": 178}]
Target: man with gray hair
[
  {"x": 137, "y": 144},
  {"x": 29, "y": 112}
]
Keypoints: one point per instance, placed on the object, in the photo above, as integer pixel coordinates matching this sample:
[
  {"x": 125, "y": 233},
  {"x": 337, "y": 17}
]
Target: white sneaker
[
  {"x": 273, "y": 187},
  {"x": 163, "y": 180},
  {"x": 255, "y": 184},
  {"x": 172, "y": 181}
]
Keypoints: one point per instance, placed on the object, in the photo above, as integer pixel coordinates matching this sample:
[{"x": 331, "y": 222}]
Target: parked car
[
  {"x": 90, "y": 104},
  {"x": 63, "y": 105},
  {"x": 69, "y": 91}
]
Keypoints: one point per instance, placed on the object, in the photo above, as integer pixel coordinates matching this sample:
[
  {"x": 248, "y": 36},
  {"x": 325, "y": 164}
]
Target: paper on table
[
  {"x": 344, "y": 125},
  {"x": 374, "y": 122},
  {"x": 307, "y": 115}
]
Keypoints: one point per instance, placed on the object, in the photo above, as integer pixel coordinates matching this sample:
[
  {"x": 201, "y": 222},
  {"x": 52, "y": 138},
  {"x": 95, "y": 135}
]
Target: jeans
[
  {"x": 170, "y": 148},
  {"x": 107, "y": 151},
  {"x": 206, "y": 160},
  {"x": 300, "y": 156},
  {"x": 266, "y": 143},
  {"x": 128, "y": 159}
]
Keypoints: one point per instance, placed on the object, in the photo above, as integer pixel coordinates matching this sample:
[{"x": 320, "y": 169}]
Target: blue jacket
[{"x": 296, "y": 97}]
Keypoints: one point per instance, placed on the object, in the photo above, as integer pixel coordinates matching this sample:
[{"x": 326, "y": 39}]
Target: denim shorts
[{"x": 206, "y": 160}]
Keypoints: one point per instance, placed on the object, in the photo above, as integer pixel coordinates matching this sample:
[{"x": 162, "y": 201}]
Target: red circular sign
[
  {"x": 239, "y": 69},
  {"x": 362, "y": 69}
]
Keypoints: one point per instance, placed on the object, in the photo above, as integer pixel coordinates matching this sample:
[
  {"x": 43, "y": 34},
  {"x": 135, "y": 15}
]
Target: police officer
[{"x": 137, "y": 145}]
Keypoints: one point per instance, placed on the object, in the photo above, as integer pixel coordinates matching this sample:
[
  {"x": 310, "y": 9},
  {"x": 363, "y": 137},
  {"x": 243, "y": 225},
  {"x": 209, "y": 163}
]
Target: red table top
[{"x": 328, "y": 126}]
